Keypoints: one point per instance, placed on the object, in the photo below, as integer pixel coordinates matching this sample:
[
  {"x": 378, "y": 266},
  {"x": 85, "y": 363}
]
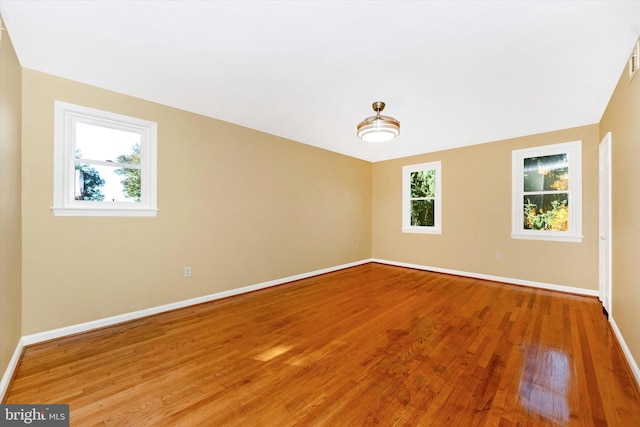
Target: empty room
[{"x": 278, "y": 213}]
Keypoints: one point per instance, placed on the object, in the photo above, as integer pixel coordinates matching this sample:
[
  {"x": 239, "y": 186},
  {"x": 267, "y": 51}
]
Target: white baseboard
[
  {"x": 569, "y": 289},
  {"x": 625, "y": 349},
  {"x": 109, "y": 321},
  {"x": 114, "y": 320},
  {"x": 13, "y": 364},
  {"x": 540, "y": 285}
]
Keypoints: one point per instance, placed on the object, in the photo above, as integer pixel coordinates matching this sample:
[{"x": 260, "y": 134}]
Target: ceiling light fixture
[{"x": 378, "y": 128}]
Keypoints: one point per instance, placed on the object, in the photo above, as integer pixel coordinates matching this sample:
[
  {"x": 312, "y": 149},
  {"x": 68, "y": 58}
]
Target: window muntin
[
  {"x": 547, "y": 192},
  {"x": 421, "y": 194},
  {"x": 105, "y": 163}
]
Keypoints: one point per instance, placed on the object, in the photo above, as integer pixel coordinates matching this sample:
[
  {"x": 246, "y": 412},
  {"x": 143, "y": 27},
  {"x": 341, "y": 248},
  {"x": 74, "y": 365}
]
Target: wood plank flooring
[{"x": 369, "y": 345}]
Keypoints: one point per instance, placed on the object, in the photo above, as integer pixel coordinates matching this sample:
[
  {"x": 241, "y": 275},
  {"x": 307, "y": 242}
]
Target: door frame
[{"x": 604, "y": 240}]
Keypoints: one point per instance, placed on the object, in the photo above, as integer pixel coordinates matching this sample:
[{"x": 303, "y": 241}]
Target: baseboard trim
[
  {"x": 113, "y": 320},
  {"x": 625, "y": 349},
  {"x": 110, "y": 321},
  {"x": 567, "y": 289},
  {"x": 8, "y": 373},
  {"x": 540, "y": 285}
]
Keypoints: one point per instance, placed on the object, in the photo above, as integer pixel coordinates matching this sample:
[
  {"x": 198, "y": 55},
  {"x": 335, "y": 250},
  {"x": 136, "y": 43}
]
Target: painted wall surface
[
  {"x": 476, "y": 215},
  {"x": 10, "y": 227},
  {"x": 239, "y": 206},
  {"x": 622, "y": 119}
]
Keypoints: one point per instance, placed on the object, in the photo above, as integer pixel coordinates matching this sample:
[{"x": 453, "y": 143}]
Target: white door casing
[{"x": 605, "y": 222}]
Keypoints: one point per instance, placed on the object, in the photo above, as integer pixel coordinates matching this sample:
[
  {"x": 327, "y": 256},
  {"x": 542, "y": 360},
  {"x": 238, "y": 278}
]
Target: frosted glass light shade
[{"x": 378, "y": 128}]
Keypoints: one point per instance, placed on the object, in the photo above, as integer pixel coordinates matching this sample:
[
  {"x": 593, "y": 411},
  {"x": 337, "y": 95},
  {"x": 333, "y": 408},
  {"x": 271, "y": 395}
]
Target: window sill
[
  {"x": 425, "y": 230},
  {"x": 116, "y": 212},
  {"x": 551, "y": 237}
]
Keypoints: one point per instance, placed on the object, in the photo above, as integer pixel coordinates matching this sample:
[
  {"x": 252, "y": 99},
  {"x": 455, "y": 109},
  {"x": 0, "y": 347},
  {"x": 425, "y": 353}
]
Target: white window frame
[
  {"x": 66, "y": 116},
  {"x": 406, "y": 199},
  {"x": 573, "y": 150}
]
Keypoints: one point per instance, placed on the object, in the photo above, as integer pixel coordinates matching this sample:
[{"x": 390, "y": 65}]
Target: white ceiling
[{"x": 453, "y": 73}]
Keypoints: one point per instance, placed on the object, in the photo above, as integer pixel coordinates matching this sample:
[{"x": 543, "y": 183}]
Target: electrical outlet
[
  {"x": 187, "y": 272},
  {"x": 498, "y": 255}
]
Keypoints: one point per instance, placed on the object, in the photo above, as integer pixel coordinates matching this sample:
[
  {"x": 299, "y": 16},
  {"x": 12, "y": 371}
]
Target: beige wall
[
  {"x": 10, "y": 228},
  {"x": 242, "y": 207},
  {"x": 239, "y": 206},
  {"x": 622, "y": 119},
  {"x": 476, "y": 212}
]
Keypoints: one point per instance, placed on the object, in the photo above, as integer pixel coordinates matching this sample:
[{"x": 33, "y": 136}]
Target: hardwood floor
[{"x": 369, "y": 345}]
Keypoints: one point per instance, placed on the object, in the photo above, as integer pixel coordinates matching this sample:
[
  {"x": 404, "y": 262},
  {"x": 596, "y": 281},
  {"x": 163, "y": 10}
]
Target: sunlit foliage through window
[
  {"x": 546, "y": 193},
  {"x": 423, "y": 185}
]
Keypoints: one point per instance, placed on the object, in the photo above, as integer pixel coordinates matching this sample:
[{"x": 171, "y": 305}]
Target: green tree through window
[
  {"x": 546, "y": 190},
  {"x": 546, "y": 198},
  {"x": 105, "y": 164},
  {"x": 88, "y": 182},
  {"x": 423, "y": 198},
  {"x": 131, "y": 182}
]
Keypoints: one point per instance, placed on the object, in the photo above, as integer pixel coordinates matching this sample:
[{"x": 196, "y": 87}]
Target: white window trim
[
  {"x": 406, "y": 199},
  {"x": 64, "y": 203},
  {"x": 574, "y": 157}
]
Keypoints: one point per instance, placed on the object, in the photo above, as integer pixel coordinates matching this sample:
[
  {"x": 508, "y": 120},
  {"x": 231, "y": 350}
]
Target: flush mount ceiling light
[{"x": 378, "y": 128}]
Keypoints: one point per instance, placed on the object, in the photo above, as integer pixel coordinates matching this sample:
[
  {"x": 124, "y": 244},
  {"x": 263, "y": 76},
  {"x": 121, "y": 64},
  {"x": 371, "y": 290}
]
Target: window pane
[
  {"x": 106, "y": 144},
  {"x": 423, "y": 183},
  {"x": 107, "y": 183},
  {"x": 546, "y": 212},
  {"x": 546, "y": 173},
  {"x": 422, "y": 213}
]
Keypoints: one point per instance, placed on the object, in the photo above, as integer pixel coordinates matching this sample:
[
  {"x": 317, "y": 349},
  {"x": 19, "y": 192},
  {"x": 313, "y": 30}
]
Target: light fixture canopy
[{"x": 378, "y": 128}]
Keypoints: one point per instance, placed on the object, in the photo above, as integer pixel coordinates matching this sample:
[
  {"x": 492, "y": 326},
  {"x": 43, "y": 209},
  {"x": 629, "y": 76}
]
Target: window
[
  {"x": 421, "y": 198},
  {"x": 634, "y": 60},
  {"x": 547, "y": 192},
  {"x": 105, "y": 163}
]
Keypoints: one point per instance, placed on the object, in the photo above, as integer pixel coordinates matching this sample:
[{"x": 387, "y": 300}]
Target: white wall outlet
[
  {"x": 187, "y": 272},
  {"x": 498, "y": 255}
]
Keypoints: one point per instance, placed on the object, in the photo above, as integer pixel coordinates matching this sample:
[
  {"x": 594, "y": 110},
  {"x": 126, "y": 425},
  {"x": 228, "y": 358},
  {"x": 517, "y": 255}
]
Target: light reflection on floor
[
  {"x": 272, "y": 352},
  {"x": 544, "y": 383}
]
